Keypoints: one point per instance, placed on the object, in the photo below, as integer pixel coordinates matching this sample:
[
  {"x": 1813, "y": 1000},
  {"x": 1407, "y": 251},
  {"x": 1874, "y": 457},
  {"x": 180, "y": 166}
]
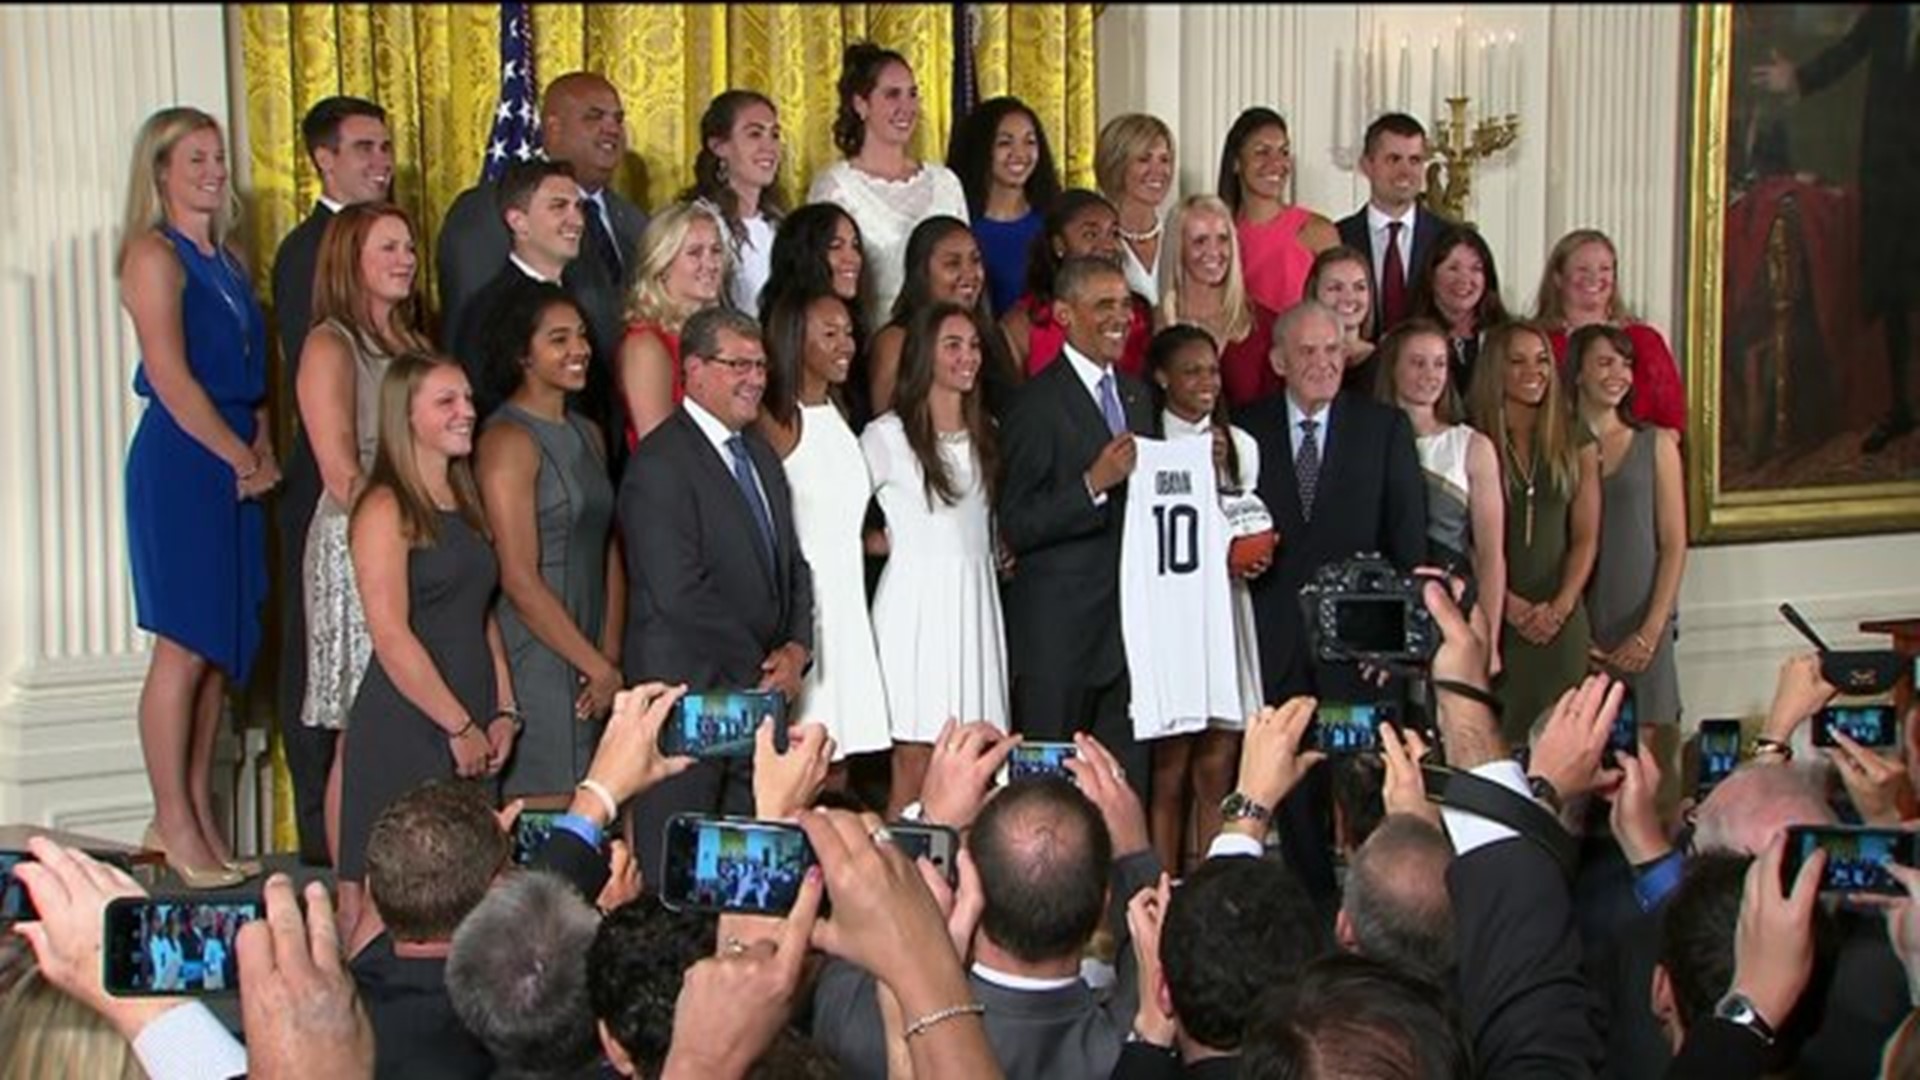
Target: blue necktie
[
  {"x": 743, "y": 476},
  {"x": 1110, "y": 405}
]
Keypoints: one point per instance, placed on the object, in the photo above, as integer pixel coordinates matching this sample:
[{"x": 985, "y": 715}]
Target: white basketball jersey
[{"x": 1176, "y": 614}]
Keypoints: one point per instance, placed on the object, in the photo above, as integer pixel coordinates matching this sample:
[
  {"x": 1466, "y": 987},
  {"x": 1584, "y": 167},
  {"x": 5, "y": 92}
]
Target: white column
[{"x": 78, "y": 81}]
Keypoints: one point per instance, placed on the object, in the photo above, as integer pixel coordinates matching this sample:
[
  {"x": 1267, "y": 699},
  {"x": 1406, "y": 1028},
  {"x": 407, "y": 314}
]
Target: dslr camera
[{"x": 1366, "y": 610}]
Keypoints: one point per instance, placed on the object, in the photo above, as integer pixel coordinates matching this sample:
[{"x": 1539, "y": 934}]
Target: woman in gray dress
[
  {"x": 543, "y": 476},
  {"x": 1643, "y": 535}
]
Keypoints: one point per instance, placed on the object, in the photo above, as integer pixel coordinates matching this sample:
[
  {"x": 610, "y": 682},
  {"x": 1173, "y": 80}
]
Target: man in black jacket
[
  {"x": 348, "y": 143},
  {"x": 1393, "y": 230}
]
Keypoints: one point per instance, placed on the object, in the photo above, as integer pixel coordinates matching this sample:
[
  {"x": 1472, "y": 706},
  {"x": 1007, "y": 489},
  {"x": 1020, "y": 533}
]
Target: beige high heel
[{"x": 197, "y": 878}]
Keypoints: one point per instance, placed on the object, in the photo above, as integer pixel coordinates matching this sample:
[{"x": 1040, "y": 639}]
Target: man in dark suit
[
  {"x": 1067, "y": 449},
  {"x": 1341, "y": 478},
  {"x": 584, "y": 125},
  {"x": 540, "y": 206},
  {"x": 1393, "y": 229},
  {"x": 350, "y": 148},
  {"x": 1040, "y": 905},
  {"x": 721, "y": 597}
]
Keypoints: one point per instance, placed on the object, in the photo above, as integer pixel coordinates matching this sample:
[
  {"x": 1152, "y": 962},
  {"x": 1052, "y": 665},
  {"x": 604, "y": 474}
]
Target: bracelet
[
  {"x": 606, "y": 797},
  {"x": 1641, "y": 641},
  {"x": 519, "y": 718},
  {"x": 1764, "y": 745},
  {"x": 251, "y": 471},
  {"x": 470, "y": 726},
  {"x": 1470, "y": 692},
  {"x": 971, "y": 1008}
]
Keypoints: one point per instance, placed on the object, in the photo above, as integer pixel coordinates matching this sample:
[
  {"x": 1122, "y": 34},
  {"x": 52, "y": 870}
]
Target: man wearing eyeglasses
[{"x": 721, "y": 598}]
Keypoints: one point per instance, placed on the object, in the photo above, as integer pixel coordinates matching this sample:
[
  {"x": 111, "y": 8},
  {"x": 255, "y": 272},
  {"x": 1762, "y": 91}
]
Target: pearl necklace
[{"x": 1142, "y": 237}]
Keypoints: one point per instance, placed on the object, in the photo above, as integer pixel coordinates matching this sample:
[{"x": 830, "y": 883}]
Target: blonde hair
[
  {"x": 47, "y": 1034},
  {"x": 666, "y": 234},
  {"x": 1173, "y": 271},
  {"x": 1553, "y": 434},
  {"x": 1546, "y": 300},
  {"x": 146, "y": 206},
  {"x": 396, "y": 465},
  {"x": 1124, "y": 138}
]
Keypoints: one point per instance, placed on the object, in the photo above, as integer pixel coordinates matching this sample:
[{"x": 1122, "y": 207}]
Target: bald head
[
  {"x": 1396, "y": 907},
  {"x": 1308, "y": 353},
  {"x": 583, "y": 124},
  {"x": 1748, "y": 808},
  {"x": 1043, "y": 854}
]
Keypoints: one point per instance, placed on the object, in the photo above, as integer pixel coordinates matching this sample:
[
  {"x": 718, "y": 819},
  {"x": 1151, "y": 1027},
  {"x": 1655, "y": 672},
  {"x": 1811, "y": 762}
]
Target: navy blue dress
[
  {"x": 198, "y": 550},
  {"x": 1004, "y": 246}
]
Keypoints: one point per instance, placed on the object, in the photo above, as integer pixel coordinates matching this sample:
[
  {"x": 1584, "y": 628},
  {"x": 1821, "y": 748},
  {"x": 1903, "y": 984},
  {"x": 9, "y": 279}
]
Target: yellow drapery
[{"x": 435, "y": 68}]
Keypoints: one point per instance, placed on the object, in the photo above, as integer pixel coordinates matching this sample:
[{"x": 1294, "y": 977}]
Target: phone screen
[
  {"x": 174, "y": 946},
  {"x": 530, "y": 832},
  {"x": 937, "y": 843},
  {"x": 15, "y": 904},
  {"x": 720, "y": 723},
  {"x": 734, "y": 865},
  {"x": 1035, "y": 759},
  {"x": 1624, "y": 738},
  {"x": 1349, "y": 728},
  {"x": 1868, "y": 725},
  {"x": 1719, "y": 751},
  {"x": 1856, "y": 857}
]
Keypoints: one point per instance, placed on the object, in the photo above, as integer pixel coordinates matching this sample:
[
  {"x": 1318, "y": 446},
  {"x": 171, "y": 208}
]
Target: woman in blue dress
[{"x": 198, "y": 465}]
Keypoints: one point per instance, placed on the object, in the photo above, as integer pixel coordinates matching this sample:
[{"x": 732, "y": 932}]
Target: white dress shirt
[
  {"x": 1377, "y": 222},
  {"x": 527, "y": 269},
  {"x": 189, "y": 1043},
  {"x": 1295, "y": 414},
  {"x": 718, "y": 433},
  {"x": 1090, "y": 374}
]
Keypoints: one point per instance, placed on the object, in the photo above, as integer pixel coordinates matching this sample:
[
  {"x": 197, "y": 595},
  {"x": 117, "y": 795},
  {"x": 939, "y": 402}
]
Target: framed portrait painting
[{"x": 1803, "y": 304}]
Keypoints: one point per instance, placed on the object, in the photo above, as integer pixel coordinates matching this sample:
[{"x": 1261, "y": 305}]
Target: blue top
[
  {"x": 1004, "y": 247},
  {"x": 222, "y": 327}
]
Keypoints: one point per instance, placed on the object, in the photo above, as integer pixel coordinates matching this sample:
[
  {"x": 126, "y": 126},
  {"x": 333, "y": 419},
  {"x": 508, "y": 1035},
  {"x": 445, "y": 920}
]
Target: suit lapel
[
  {"x": 1136, "y": 403},
  {"x": 719, "y": 473},
  {"x": 1077, "y": 405}
]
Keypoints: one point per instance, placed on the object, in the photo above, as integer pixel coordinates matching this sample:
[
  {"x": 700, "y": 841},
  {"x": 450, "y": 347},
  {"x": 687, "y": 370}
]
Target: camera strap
[{"x": 1465, "y": 791}]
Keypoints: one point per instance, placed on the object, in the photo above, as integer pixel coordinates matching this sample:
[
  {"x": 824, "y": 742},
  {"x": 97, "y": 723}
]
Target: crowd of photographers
[{"x": 1484, "y": 929}]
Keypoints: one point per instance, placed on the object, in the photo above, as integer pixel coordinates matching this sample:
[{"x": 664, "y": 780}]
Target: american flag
[{"x": 516, "y": 120}]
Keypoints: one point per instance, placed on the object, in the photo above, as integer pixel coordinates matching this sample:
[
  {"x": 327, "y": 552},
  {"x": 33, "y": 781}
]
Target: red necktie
[{"x": 1393, "y": 283}]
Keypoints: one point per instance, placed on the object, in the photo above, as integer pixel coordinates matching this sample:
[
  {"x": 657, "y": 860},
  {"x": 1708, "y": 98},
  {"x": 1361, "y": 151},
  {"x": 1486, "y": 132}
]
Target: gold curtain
[{"x": 435, "y": 68}]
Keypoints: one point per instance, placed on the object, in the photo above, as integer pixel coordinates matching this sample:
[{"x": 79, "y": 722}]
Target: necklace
[
  {"x": 1159, "y": 226},
  {"x": 1527, "y": 476}
]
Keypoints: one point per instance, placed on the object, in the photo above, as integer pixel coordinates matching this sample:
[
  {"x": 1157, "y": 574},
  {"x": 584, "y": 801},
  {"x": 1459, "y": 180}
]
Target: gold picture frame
[{"x": 1747, "y": 480}]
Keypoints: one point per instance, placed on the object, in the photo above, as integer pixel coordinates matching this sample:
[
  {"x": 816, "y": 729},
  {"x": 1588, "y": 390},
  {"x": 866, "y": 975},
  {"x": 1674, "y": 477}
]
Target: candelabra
[{"x": 1457, "y": 149}]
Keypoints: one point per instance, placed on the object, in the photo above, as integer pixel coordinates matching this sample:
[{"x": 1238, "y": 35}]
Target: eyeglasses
[{"x": 738, "y": 365}]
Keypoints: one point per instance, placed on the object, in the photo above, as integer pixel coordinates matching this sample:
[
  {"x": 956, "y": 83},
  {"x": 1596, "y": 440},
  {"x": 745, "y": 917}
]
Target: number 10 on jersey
[{"x": 1177, "y": 529}]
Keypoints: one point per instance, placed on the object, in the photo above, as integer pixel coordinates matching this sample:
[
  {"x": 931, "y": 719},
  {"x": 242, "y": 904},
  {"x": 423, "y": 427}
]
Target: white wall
[
  {"x": 77, "y": 84},
  {"x": 1601, "y": 111}
]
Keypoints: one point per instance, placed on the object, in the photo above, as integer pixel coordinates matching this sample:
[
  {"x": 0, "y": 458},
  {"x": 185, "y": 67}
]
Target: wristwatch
[
  {"x": 1544, "y": 790},
  {"x": 1735, "y": 1008},
  {"x": 1238, "y": 807}
]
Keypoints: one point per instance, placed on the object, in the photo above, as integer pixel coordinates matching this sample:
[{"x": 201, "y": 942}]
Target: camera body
[{"x": 1366, "y": 609}]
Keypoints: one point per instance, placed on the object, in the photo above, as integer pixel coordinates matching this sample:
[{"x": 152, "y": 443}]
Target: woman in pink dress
[
  {"x": 1278, "y": 239},
  {"x": 683, "y": 259}
]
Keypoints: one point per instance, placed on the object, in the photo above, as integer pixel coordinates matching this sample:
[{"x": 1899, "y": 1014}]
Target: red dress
[
  {"x": 1246, "y": 366},
  {"x": 1045, "y": 338},
  {"x": 1658, "y": 396},
  {"x": 1274, "y": 260},
  {"x": 672, "y": 341}
]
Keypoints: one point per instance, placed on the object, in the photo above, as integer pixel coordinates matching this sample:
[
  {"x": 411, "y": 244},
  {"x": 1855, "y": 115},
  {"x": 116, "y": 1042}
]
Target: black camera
[{"x": 1366, "y": 610}]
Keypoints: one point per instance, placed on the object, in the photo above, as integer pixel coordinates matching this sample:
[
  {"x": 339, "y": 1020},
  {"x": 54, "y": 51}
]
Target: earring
[{"x": 720, "y": 171}]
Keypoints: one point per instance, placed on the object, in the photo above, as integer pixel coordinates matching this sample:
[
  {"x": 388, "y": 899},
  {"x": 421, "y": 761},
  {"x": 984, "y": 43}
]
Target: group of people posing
[{"x": 674, "y": 448}]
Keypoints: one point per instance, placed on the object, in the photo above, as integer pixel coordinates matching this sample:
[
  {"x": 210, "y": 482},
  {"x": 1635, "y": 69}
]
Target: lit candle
[
  {"x": 1486, "y": 71},
  {"x": 1460, "y": 55},
  {"x": 1499, "y": 86},
  {"x": 1405, "y": 98},
  {"x": 1339, "y": 99},
  {"x": 1433, "y": 86},
  {"x": 1513, "y": 72}
]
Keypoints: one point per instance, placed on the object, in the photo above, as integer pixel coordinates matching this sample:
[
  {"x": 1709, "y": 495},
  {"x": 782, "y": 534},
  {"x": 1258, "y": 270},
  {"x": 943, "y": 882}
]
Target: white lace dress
[{"x": 887, "y": 212}]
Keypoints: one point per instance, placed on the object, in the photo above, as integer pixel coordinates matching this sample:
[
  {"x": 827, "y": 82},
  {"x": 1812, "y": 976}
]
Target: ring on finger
[
  {"x": 881, "y": 834},
  {"x": 734, "y": 946}
]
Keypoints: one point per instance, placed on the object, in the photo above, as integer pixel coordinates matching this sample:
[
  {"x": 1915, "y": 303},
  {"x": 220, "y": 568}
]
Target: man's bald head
[
  {"x": 1396, "y": 907},
  {"x": 1043, "y": 854},
  {"x": 1747, "y": 809},
  {"x": 583, "y": 123}
]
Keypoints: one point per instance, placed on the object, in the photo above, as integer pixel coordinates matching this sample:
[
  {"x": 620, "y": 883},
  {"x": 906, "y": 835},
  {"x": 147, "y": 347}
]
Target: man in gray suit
[
  {"x": 1053, "y": 859},
  {"x": 583, "y": 124}
]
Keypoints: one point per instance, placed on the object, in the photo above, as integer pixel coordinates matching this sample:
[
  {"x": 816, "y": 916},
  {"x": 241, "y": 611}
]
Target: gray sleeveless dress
[
  {"x": 574, "y": 502},
  {"x": 1622, "y": 583}
]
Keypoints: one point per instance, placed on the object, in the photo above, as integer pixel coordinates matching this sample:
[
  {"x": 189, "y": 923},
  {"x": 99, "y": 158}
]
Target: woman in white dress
[
  {"x": 1466, "y": 504},
  {"x": 809, "y": 354},
  {"x": 937, "y": 611},
  {"x": 1133, "y": 163},
  {"x": 1184, "y": 363},
  {"x": 879, "y": 183}
]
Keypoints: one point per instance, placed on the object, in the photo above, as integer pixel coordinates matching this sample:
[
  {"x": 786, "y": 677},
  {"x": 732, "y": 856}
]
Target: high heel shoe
[{"x": 196, "y": 878}]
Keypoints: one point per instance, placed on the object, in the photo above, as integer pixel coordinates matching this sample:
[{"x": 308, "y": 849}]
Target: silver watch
[{"x": 1737, "y": 1008}]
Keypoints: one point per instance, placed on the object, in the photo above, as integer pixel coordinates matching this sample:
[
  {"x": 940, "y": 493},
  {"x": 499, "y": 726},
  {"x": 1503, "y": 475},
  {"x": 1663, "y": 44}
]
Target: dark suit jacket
[
  {"x": 1522, "y": 999},
  {"x": 1141, "y": 1061},
  {"x": 293, "y": 267},
  {"x": 1063, "y": 604},
  {"x": 706, "y": 608},
  {"x": 1371, "y": 496},
  {"x": 415, "y": 1030},
  {"x": 468, "y": 341},
  {"x": 1067, "y": 1034},
  {"x": 1354, "y": 233}
]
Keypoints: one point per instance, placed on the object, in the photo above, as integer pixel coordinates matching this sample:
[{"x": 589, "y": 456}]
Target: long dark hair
[
  {"x": 910, "y": 401},
  {"x": 1489, "y": 312},
  {"x": 509, "y": 339},
  {"x": 1042, "y": 261},
  {"x": 860, "y": 68},
  {"x": 798, "y": 262},
  {"x": 709, "y": 179},
  {"x": 784, "y": 334},
  {"x": 1228, "y": 184},
  {"x": 916, "y": 290},
  {"x": 970, "y": 155},
  {"x": 1165, "y": 347}
]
